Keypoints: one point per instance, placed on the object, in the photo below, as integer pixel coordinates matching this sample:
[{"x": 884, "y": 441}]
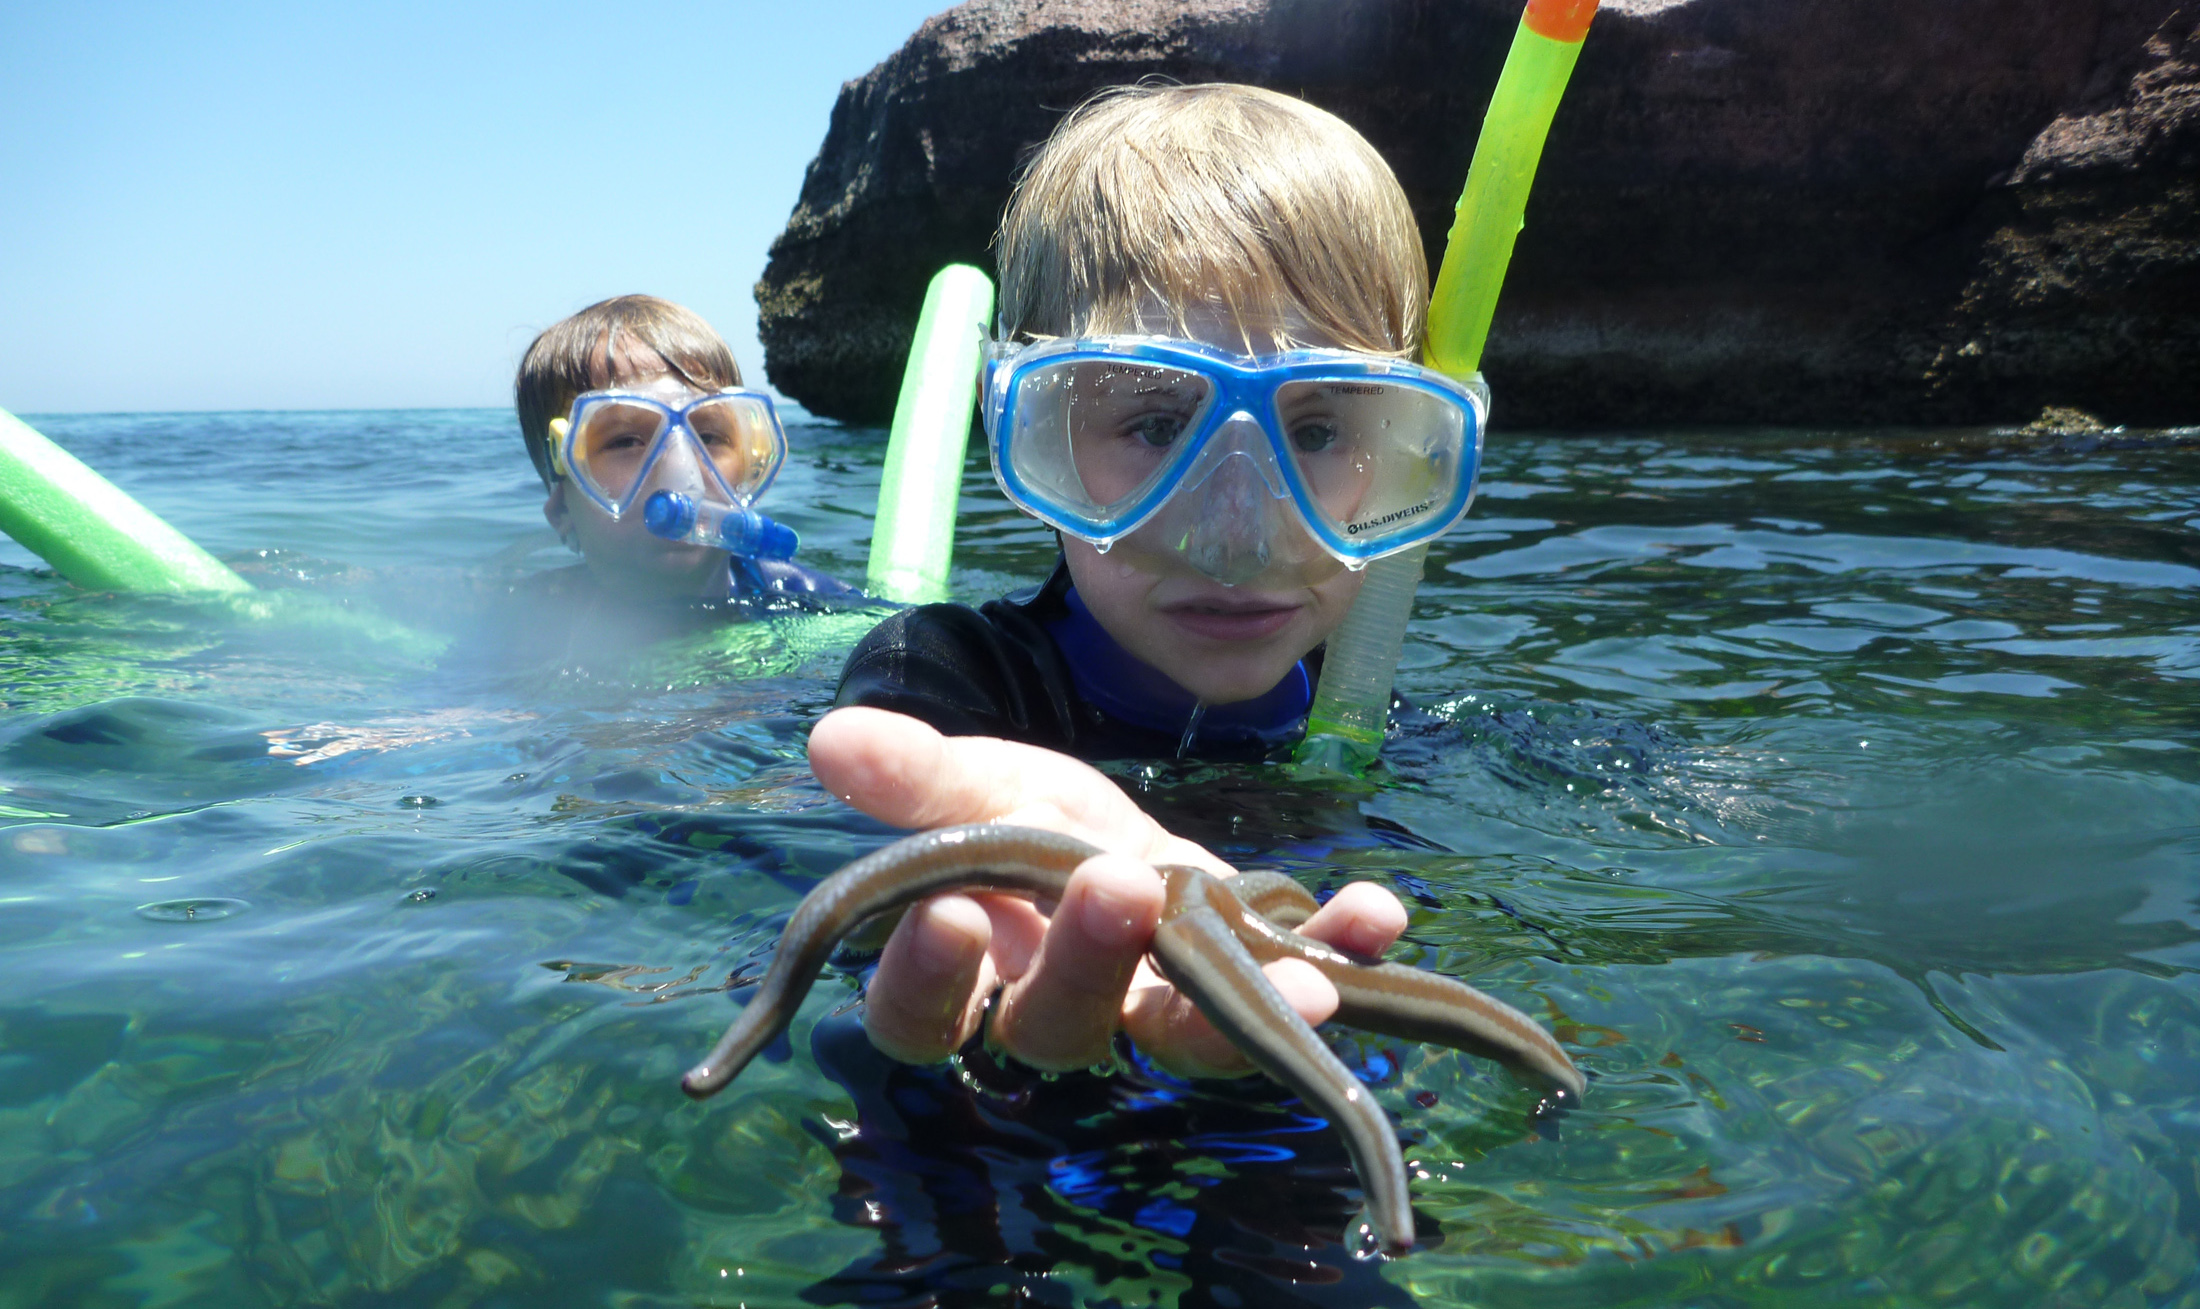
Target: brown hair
[
  {"x": 580, "y": 353},
  {"x": 1212, "y": 198}
]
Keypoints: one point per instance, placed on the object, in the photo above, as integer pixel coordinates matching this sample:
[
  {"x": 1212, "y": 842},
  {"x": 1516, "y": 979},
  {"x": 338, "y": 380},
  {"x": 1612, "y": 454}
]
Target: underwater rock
[{"x": 1837, "y": 211}]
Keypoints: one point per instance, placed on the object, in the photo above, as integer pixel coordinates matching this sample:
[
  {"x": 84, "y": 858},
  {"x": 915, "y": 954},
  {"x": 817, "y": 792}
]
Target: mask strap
[{"x": 559, "y": 430}]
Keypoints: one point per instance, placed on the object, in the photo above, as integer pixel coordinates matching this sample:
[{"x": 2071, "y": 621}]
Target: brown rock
[{"x": 1814, "y": 211}]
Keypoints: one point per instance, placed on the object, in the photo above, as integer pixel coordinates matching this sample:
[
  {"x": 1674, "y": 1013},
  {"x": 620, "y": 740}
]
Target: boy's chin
[
  {"x": 1230, "y": 681},
  {"x": 667, "y": 566}
]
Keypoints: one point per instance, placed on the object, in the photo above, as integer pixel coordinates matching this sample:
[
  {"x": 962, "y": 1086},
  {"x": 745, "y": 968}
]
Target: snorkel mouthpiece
[{"x": 673, "y": 516}]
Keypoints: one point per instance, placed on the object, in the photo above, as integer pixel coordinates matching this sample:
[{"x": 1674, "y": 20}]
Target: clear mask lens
[
  {"x": 1096, "y": 437},
  {"x": 611, "y": 442},
  {"x": 742, "y": 441},
  {"x": 1375, "y": 457}
]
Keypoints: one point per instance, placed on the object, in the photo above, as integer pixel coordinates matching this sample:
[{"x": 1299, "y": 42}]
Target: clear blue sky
[{"x": 286, "y": 206}]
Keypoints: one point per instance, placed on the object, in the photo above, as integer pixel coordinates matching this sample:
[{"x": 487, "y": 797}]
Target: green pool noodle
[
  {"x": 1344, "y": 729},
  {"x": 913, "y": 538},
  {"x": 89, "y": 529}
]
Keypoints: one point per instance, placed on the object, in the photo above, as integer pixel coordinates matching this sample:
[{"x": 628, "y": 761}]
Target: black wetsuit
[
  {"x": 981, "y": 1179},
  {"x": 1036, "y": 667}
]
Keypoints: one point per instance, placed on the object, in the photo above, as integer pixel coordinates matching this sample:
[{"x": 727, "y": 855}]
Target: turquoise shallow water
[{"x": 1836, "y": 796}]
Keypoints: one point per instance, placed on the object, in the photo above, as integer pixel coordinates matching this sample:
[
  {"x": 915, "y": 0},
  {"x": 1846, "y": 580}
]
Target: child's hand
[{"x": 1069, "y": 981}]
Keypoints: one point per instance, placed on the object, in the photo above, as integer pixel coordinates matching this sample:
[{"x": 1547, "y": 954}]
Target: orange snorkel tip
[{"x": 1560, "y": 20}]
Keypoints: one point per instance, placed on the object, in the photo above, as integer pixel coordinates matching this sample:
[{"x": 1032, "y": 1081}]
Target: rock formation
[{"x": 1803, "y": 212}]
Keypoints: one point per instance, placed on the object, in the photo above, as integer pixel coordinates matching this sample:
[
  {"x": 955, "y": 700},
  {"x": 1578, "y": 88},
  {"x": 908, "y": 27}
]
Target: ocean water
[{"x": 1834, "y": 795}]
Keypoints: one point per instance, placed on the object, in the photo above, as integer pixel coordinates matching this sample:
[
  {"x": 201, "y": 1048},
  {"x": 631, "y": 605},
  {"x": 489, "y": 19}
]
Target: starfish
[{"x": 1213, "y": 938}]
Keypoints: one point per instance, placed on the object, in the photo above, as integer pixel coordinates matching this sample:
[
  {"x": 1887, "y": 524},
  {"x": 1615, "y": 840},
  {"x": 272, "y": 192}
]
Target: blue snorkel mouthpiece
[
  {"x": 669, "y": 516},
  {"x": 674, "y": 516},
  {"x": 753, "y": 536}
]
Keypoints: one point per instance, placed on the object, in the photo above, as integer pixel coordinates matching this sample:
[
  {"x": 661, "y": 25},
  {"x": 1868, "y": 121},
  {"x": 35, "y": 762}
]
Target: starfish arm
[
  {"x": 1205, "y": 959},
  {"x": 1274, "y": 896},
  {"x": 981, "y": 856},
  {"x": 1213, "y": 939},
  {"x": 1414, "y": 1004}
]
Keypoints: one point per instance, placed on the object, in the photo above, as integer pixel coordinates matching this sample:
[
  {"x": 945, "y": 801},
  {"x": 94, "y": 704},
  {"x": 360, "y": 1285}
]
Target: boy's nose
[
  {"x": 1232, "y": 525},
  {"x": 678, "y": 466}
]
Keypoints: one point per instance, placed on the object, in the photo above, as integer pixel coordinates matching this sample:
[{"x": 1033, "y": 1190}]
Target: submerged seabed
[{"x": 1834, "y": 795}]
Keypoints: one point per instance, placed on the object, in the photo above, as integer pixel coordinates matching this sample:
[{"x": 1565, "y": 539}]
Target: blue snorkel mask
[
  {"x": 692, "y": 469},
  {"x": 1235, "y": 463}
]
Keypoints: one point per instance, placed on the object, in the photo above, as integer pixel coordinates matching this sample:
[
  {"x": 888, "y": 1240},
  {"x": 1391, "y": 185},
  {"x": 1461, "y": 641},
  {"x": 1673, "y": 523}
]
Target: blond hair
[
  {"x": 1206, "y": 199},
  {"x": 581, "y": 353}
]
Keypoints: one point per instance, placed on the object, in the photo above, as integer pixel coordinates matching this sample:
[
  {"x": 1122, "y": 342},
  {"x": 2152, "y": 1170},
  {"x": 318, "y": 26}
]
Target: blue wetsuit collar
[
  {"x": 760, "y": 581},
  {"x": 1125, "y": 687}
]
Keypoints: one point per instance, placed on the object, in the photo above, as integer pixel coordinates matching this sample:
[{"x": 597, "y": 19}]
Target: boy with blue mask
[
  {"x": 1211, "y": 297},
  {"x": 654, "y": 456}
]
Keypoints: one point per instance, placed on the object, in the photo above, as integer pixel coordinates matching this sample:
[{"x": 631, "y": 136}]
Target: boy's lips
[{"x": 1231, "y": 618}]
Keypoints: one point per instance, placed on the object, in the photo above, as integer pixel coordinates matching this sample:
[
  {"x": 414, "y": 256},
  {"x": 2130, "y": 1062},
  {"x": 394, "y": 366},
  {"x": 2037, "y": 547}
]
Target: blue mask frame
[{"x": 1243, "y": 385}]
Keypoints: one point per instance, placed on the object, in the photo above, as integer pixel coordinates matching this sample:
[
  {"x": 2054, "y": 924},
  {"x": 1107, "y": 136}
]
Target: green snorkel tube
[
  {"x": 913, "y": 538},
  {"x": 88, "y": 528},
  {"x": 1344, "y": 730}
]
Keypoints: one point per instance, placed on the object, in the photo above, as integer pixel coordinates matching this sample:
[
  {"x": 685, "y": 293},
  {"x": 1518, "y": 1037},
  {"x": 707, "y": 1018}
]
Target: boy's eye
[
  {"x": 721, "y": 446},
  {"x": 1314, "y": 435},
  {"x": 1157, "y": 430}
]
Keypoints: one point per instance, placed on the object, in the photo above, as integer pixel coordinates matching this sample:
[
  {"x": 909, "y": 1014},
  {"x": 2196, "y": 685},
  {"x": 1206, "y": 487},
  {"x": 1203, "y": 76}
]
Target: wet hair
[
  {"x": 579, "y": 354},
  {"x": 1212, "y": 200}
]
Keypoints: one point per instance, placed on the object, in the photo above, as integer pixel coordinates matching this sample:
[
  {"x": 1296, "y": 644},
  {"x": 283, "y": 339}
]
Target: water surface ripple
[{"x": 1834, "y": 795}]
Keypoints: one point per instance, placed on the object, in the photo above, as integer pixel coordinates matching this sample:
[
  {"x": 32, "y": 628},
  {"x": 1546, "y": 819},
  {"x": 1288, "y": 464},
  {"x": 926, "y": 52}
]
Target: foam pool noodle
[
  {"x": 1344, "y": 730},
  {"x": 913, "y": 538},
  {"x": 89, "y": 529},
  {"x": 97, "y": 537}
]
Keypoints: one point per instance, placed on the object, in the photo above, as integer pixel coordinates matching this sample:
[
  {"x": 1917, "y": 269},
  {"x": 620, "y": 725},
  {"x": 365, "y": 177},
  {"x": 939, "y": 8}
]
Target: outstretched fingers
[
  {"x": 1061, "y": 1014},
  {"x": 928, "y": 994},
  {"x": 1176, "y": 1035},
  {"x": 1363, "y": 918},
  {"x": 945, "y": 957},
  {"x": 904, "y": 772}
]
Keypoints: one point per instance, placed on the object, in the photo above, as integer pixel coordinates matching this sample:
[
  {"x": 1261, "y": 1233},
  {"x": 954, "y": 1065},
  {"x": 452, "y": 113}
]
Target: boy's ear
[{"x": 558, "y": 514}]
